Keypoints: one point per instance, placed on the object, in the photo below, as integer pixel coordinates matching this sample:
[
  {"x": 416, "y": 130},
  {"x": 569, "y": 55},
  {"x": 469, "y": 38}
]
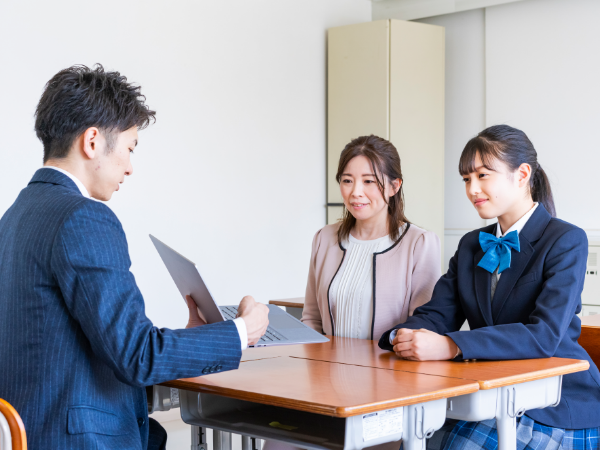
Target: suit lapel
[
  {"x": 483, "y": 287},
  {"x": 510, "y": 276},
  {"x": 531, "y": 233}
]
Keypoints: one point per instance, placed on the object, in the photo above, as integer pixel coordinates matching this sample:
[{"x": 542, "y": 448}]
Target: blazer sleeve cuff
[
  {"x": 460, "y": 338},
  {"x": 384, "y": 342}
]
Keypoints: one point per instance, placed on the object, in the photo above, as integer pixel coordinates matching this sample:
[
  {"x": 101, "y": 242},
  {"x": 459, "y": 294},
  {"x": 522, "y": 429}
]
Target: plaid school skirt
[{"x": 460, "y": 435}]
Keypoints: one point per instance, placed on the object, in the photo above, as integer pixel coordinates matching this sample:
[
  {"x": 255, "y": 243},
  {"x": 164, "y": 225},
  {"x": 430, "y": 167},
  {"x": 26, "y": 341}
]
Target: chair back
[
  {"x": 12, "y": 430},
  {"x": 590, "y": 337}
]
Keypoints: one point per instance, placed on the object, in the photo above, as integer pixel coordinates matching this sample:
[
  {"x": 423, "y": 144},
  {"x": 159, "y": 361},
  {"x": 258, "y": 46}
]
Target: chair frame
[{"x": 12, "y": 429}]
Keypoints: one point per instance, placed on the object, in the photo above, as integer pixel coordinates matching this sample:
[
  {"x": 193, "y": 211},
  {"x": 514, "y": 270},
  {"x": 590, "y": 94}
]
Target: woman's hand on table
[{"x": 424, "y": 345}]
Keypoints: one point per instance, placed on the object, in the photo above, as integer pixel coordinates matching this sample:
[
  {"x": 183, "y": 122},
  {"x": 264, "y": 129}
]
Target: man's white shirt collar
[
  {"x": 518, "y": 226},
  {"x": 78, "y": 183}
]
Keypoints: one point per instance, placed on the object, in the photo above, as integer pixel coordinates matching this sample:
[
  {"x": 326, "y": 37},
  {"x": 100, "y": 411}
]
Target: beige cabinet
[{"x": 387, "y": 78}]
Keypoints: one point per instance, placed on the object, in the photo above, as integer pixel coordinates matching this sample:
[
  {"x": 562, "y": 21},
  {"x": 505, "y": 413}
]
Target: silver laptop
[{"x": 283, "y": 328}]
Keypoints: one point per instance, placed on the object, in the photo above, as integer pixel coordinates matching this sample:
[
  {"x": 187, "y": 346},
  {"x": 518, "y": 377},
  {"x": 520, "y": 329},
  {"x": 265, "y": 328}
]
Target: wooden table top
[
  {"x": 289, "y": 302},
  {"x": 366, "y": 353},
  {"x": 306, "y": 351},
  {"x": 323, "y": 387},
  {"x": 346, "y": 377}
]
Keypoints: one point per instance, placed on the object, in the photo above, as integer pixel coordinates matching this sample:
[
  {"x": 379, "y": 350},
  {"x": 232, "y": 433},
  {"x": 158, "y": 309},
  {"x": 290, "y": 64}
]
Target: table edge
[
  {"x": 334, "y": 411},
  {"x": 286, "y": 304},
  {"x": 579, "y": 366}
]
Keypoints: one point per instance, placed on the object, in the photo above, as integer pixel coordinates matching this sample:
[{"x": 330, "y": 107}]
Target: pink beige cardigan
[{"x": 403, "y": 278}]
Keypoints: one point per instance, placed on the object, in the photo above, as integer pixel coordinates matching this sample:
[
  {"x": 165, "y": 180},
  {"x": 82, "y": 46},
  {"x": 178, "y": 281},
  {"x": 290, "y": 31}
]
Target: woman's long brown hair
[{"x": 385, "y": 162}]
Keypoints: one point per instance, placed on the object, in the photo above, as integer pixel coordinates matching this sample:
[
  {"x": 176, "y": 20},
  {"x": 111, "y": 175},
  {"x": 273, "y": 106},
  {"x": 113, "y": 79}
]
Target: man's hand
[
  {"x": 194, "y": 320},
  {"x": 256, "y": 317},
  {"x": 423, "y": 345}
]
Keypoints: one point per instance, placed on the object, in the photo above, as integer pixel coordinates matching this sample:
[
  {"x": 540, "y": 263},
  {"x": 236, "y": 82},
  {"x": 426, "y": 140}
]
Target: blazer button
[
  {"x": 206, "y": 370},
  {"x": 219, "y": 367},
  {"x": 141, "y": 422},
  {"x": 212, "y": 369}
]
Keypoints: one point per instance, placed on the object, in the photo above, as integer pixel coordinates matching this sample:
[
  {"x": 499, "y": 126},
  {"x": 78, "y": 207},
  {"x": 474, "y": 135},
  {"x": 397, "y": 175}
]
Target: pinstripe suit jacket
[{"x": 76, "y": 348}]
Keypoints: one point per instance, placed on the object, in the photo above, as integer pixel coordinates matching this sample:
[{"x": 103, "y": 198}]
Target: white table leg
[
  {"x": 221, "y": 440},
  {"x": 506, "y": 418},
  {"x": 507, "y": 433},
  {"x": 250, "y": 443},
  {"x": 421, "y": 421},
  {"x": 198, "y": 438},
  {"x": 246, "y": 443}
]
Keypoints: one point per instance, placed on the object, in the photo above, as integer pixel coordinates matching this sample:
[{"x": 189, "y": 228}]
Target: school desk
[
  {"x": 326, "y": 395},
  {"x": 293, "y": 306}
]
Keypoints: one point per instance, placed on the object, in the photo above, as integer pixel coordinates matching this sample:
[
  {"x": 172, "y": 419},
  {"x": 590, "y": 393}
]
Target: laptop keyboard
[{"x": 230, "y": 313}]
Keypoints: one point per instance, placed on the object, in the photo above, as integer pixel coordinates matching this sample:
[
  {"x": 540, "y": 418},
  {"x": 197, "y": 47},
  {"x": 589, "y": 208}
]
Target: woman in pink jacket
[
  {"x": 369, "y": 271},
  {"x": 372, "y": 269}
]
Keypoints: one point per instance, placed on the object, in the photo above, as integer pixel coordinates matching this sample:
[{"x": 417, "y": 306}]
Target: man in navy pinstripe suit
[{"x": 76, "y": 348}]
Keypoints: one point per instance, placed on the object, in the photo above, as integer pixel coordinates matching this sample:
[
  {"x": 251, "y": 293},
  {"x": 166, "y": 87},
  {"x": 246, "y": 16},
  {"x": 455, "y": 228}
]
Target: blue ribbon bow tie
[{"x": 497, "y": 250}]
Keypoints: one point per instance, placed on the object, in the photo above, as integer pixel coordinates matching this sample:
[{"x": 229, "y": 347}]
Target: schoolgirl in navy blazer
[{"x": 534, "y": 306}]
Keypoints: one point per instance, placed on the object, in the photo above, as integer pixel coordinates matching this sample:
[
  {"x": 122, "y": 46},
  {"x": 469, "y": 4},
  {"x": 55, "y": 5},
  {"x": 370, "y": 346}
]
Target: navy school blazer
[
  {"x": 76, "y": 347},
  {"x": 533, "y": 314}
]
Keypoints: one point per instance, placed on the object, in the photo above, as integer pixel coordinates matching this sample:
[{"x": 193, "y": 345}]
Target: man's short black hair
[{"x": 78, "y": 98}]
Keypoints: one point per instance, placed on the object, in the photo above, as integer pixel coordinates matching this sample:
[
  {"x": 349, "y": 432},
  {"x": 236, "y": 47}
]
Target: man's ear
[
  {"x": 524, "y": 174},
  {"x": 91, "y": 144}
]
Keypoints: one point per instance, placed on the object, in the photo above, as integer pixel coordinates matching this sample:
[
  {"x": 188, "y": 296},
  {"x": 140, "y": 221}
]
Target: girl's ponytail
[{"x": 541, "y": 191}]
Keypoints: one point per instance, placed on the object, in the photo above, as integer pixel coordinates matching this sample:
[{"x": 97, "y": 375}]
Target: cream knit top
[{"x": 351, "y": 293}]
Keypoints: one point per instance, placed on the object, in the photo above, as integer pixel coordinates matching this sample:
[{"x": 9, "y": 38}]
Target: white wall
[
  {"x": 233, "y": 173},
  {"x": 465, "y": 114},
  {"x": 417, "y": 9},
  {"x": 543, "y": 76},
  {"x": 530, "y": 64}
]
